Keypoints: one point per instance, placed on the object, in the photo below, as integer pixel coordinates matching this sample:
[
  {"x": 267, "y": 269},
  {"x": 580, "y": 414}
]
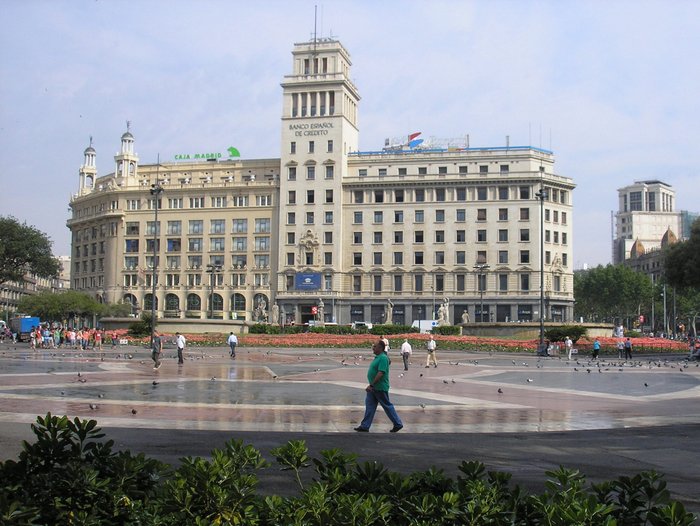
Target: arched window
[
  {"x": 172, "y": 302},
  {"x": 194, "y": 302},
  {"x": 237, "y": 301},
  {"x": 148, "y": 302},
  {"x": 217, "y": 302}
]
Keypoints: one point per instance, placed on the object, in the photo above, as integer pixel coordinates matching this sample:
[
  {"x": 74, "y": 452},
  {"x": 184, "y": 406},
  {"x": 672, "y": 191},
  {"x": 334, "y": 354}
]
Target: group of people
[{"x": 48, "y": 338}]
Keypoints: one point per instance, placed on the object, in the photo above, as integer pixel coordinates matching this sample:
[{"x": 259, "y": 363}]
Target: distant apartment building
[{"x": 327, "y": 229}]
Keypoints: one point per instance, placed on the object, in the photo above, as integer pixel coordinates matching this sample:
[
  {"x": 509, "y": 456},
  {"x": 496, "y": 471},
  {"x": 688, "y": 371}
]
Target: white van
[{"x": 424, "y": 326}]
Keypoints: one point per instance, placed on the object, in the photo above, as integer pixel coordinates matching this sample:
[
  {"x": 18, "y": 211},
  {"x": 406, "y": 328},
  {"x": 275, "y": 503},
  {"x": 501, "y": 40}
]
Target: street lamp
[
  {"x": 211, "y": 270},
  {"x": 541, "y": 195},
  {"x": 156, "y": 191},
  {"x": 482, "y": 267}
]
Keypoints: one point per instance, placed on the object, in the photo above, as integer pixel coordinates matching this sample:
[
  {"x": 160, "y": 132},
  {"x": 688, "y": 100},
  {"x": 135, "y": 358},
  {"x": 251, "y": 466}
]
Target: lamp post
[
  {"x": 156, "y": 191},
  {"x": 211, "y": 270},
  {"x": 541, "y": 195},
  {"x": 481, "y": 268}
]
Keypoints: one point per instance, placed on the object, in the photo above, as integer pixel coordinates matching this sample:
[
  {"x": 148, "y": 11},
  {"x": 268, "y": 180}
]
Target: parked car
[{"x": 361, "y": 325}]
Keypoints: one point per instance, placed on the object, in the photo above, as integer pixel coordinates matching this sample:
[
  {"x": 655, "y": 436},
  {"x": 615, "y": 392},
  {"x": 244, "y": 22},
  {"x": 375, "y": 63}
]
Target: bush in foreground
[{"x": 69, "y": 476}]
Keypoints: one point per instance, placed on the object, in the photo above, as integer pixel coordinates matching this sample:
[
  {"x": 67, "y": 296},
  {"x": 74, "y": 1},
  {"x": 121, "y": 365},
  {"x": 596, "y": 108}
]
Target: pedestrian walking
[
  {"x": 596, "y": 349},
  {"x": 180, "y": 342},
  {"x": 569, "y": 346},
  {"x": 406, "y": 352},
  {"x": 378, "y": 390},
  {"x": 232, "y": 342},
  {"x": 620, "y": 348},
  {"x": 432, "y": 345},
  {"x": 628, "y": 349},
  {"x": 156, "y": 349}
]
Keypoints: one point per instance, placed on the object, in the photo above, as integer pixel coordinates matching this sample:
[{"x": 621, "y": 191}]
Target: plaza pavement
[{"x": 514, "y": 412}]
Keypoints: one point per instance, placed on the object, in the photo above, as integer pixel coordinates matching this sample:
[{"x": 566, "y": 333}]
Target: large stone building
[{"x": 325, "y": 231}]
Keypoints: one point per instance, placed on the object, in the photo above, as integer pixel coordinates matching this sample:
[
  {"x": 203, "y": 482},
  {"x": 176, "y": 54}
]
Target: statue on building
[
  {"x": 275, "y": 314},
  {"x": 321, "y": 315},
  {"x": 308, "y": 244},
  {"x": 465, "y": 316},
  {"x": 444, "y": 313},
  {"x": 389, "y": 312},
  {"x": 261, "y": 310}
]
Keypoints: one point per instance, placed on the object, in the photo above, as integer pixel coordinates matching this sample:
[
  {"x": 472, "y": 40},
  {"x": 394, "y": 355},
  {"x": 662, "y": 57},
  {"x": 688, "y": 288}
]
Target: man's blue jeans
[{"x": 382, "y": 398}]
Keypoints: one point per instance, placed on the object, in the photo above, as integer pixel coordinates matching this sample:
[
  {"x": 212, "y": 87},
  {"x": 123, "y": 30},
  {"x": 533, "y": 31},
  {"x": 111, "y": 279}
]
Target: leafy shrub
[
  {"x": 143, "y": 326},
  {"x": 559, "y": 334},
  {"x": 447, "y": 330},
  {"x": 391, "y": 328}
]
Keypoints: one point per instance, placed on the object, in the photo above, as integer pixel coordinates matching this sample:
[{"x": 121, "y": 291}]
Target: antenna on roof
[{"x": 315, "y": 35}]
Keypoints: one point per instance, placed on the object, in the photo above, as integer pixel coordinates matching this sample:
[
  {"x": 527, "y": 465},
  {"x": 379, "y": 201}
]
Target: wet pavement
[{"x": 517, "y": 413}]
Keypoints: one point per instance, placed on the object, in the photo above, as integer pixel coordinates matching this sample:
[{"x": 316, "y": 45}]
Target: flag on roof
[{"x": 413, "y": 136}]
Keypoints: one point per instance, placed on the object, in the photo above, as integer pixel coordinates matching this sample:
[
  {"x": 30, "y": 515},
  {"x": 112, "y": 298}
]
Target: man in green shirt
[{"x": 378, "y": 390}]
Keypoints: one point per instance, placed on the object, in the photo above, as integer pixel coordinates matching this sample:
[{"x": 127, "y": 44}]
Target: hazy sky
[{"x": 612, "y": 87}]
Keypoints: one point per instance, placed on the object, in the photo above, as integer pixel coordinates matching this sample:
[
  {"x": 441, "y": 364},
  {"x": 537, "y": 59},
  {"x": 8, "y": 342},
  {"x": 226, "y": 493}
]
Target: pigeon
[
  {"x": 530, "y": 380},
  {"x": 401, "y": 375},
  {"x": 155, "y": 383},
  {"x": 421, "y": 374},
  {"x": 422, "y": 406},
  {"x": 82, "y": 380},
  {"x": 63, "y": 393},
  {"x": 445, "y": 382},
  {"x": 646, "y": 384},
  {"x": 575, "y": 368},
  {"x": 513, "y": 362},
  {"x": 93, "y": 406},
  {"x": 100, "y": 395},
  {"x": 213, "y": 379},
  {"x": 134, "y": 411},
  {"x": 500, "y": 391},
  {"x": 79, "y": 374},
  {"x": 453, "y": 381}
]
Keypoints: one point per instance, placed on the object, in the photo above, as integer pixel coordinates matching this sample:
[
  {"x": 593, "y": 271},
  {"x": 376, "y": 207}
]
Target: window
[
  {"x": 524, "y": 235},
  {"x": 311, "y": 146},
  {"x": 563, "y": 218},
  {"x": 357, "y": 258},
  {"x": 329, "y": 196},
  {"x": 504, "y": 169},
  {"x": 480, "y": 257},
  {"x": 419, "y": 216},
  {"x": 290, "y": 258},
  {"x": 174, "y": 245},
  {"x": 239, "y": 260},
  {"x": 557, "y": 283},
  {"x": 359, "y": 196},
  {"x": 310, "y": 196},
  {"x": 329, "y": 146},
  {"x": 217, "y": 244},
  {"x": 133, "y": 204},
  {"x": 378, "y": 217},
  {"x": 398, "y": 237},
  {"x": 131, "y": 262},
  {"x": 403, "y": 171},
  {"x": 556, "y": 236},
  {"x": 524, "y": 192},
  {"x": 503, "y": 257},
  {"x": 461, "y": 236},
  {"x": 503, "y": 214},
  {"x": 439, "y": 257},
  {"x": 328, "y": 218},
  {"x": 310, "y": 172},
  {"x": 262, "y": 243},
  {"x": 418, "y": 236},
  {"x": 463, "y": 170},
  {"x": 481, "y": 236},
  {"x": 381, "y": 172},
  {"x": 172, "y": 262},
  {"x": 379, "y": 196},
  {"x": 398, "y": 216},
  {"x": 291, "y": 238},
  {"x": 564, "y": 238},
  {"x": 481, "y": 214},
  {"x": 309, "y": 218},
  {"x": 483, "y": 169},
  {"x": 174, "y": 228},
  {"x": 524, "y": 214},
  {"x": 377, "y": 238},
  {"x": 328, "y": 258},
  {"x": 398, "y": 283},
  {"x": 524, "y": 281},
  {"x": 357, "y": 218},
  {"x": 357, "y": 238},
  {"x": 377, "y": 282},
  {"x": 503, "y": 282},
  {"x": 418, "y": 282},
  {"x": 460, "y": 257},
  {"x": 420, "y": 195},
  {"x": 362, "y": 172},
  {"x": 240, "y": 200},
  {"x": 132, "y": 228},
  {"x": 503, "y": 193},
  {"x": 546, "y": 214},
  {"x": 152, "y": 229},
  {"x": 461, "y": 215},
  {"x": 194, "y": 261},
  {"x": 439, "y": 236},
  {"x": 377, "y": 258},
  {"x": 292, "y": 173},
  {"x": 217, "y": 226},
  {"x": 330, "y": 171},
  {"x": 263, "y": 200},
  {"x": 292, "y": 197},
  {"x": 565, "y": 259},
  {"x": 218, "y": 202},
  {"x": 262, "y": 261},
  {"x": 131, "y": 245},
  {"x": 524, "y": 257},
  {"x": 196, "y": 202},
  {"x": 398, "y": 196},
  {"x": 262, "y": 226},
  {"x": 418, "y": 258},
  {"x": 398, "y": 258},
  {"x": 439, "y": 216},
  {"x": 175, "y": 202},
  {"x": 442, "y": 170},
  {"x": 239, "y": 244},
  {"x": 291, "y": 218},
  {"x": 502, "y": 235},
  {"x": 555, "y": 217},
  {"x": 422, "y": 170},
  {"x": 357, "y": 283},
  {"x": 481, "y": 193},
  {"x": 439, "y": 194},
  {"x": 293, "y": 147},
  {"x": 547, "y": 236}
]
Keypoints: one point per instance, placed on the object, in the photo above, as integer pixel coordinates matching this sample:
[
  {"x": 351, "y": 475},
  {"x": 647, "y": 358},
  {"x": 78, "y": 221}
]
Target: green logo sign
[{"x": 232, "y": 152}]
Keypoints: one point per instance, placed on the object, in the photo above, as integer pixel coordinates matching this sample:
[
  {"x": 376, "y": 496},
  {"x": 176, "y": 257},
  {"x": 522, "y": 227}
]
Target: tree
[
  {"x": 50, "y": 306},
  {"x": 682, "y": 262},
  {"x": 24, "y": 249},
  {"x": 610, "y": 292}
]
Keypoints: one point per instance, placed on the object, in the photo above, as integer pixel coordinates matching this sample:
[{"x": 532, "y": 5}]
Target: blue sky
[{"x": 611, "y": 87}]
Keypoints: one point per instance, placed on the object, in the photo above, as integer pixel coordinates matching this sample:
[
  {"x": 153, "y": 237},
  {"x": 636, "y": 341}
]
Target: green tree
[
  {"x": 51, "y": 306},
  {"x": 24, "y": 249},
  {"x": 682, "y": 261},
  {"x": 610, "y": 292}
]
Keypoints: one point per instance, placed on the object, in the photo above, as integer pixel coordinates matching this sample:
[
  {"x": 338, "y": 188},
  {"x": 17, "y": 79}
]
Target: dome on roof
[
  {"x": 89, "y": 149},
  {"x": 637, "y": 249},
  {"x": 127, "y": 135},
  {"x": 669, "y": 238}
]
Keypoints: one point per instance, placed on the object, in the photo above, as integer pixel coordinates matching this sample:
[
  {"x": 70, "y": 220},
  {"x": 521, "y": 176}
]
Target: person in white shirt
[
  {"x": 431, "y": 352},
  {"x": 180, "y": 341},
  {"x": 569, "y": 346},
  {"x": 406, "y": 351},
  {"x": 232, "y": 342}
]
